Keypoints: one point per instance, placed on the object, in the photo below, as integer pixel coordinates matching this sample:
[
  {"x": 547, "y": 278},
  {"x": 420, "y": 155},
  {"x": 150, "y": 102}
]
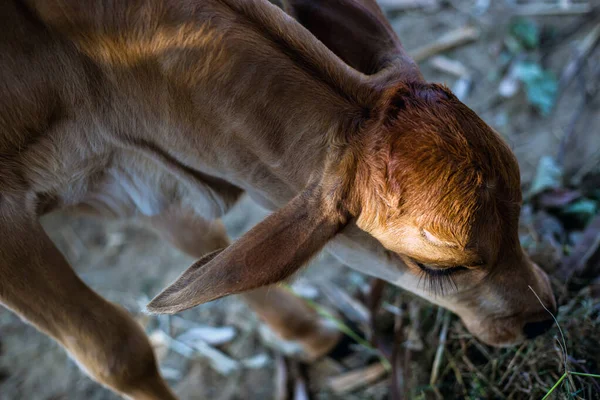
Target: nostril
[{"x": 535, "y": 329}]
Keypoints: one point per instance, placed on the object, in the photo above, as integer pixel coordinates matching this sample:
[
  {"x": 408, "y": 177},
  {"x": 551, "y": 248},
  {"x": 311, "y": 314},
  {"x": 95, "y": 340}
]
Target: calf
[{"x": 169, "y": 110}]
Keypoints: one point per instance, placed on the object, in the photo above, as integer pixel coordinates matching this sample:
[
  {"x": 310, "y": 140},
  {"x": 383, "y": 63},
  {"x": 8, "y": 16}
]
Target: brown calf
[{"x": 171, "y": 109}]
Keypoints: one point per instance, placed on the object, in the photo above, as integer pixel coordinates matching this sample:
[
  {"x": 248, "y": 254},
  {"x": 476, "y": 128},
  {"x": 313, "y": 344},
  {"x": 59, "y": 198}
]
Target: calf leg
[
  {"x": 37, "y": 283},
  {"x": 286, "y": 314},
  {"x": 292, "y": 319}
]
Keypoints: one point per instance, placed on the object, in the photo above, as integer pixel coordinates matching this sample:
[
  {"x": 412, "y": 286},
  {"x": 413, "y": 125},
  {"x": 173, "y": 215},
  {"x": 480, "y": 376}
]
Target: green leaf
[
  {"x": 541, "y": 86},
  {"x": 583, "y": 208},
  {"x": 526, "y": 32},
  {"x": 513, "y": 45},
  {"x": 549, "y": 175}
]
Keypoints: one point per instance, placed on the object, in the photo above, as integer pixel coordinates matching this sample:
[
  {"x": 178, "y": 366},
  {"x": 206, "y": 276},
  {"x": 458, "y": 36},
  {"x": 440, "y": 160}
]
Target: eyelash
[{"x": 438, "y": 280}]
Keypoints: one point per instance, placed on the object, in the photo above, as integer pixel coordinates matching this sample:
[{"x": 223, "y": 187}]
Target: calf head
[
  {"x": 440, "y": 189},
  {"x": 422, "y": 174},
  {"x": 435, "y": 185}
]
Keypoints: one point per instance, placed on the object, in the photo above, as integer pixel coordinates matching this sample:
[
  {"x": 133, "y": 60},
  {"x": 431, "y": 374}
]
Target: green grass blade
[
  {"x": 344, "y": 329},
  {"x": 584, "y": 374},
  {"x": 556, "y": 385}
]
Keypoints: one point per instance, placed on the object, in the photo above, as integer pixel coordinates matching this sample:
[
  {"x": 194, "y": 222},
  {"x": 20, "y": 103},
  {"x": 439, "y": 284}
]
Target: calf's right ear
[{"x": 269, "y": 253}]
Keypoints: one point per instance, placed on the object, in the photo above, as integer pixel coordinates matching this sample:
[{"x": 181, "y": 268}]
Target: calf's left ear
[{"x": 270, "y": 252}]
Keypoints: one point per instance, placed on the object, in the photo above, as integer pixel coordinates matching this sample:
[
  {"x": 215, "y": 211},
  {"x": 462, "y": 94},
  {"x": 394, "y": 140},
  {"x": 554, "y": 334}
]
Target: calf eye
[
  {"x": 440, "y": 271},
  {"x": 439, "y": 280}
]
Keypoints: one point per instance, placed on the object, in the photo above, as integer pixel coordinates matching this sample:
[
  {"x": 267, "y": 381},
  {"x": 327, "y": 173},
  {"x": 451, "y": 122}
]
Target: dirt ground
[{"x": 128, "y": 264}]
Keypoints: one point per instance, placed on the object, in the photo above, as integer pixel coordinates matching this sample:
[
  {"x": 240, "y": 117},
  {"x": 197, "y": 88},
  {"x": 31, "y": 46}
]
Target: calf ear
[
  {"x": 357, "y": 31},
  {"x": 270, "y": 252}
]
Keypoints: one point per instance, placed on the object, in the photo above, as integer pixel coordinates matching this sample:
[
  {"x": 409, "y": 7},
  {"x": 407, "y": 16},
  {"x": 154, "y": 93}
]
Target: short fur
[{"x": 169, "y": 110}]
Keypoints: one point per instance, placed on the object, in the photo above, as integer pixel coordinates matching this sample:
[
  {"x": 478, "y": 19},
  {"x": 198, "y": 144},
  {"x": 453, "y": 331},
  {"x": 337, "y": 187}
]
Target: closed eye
[
  {"x": 440, "y": 271},
  {"x": 438, "y": 280}
]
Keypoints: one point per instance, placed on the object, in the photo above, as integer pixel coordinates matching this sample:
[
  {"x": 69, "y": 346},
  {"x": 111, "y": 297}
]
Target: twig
[
  {"x": 374, "y": 298},
  {"x": 457, "y": 374},
  {"x": 352, "y": 309},
  {"x": 476, "y": 371},
  {"x": 566, "y": 139},
  {"x": 342, "y": 327},
  {"x": 413, "y": 323},
  {"x": 414, "y": 340},
  {"x": 582, "y": 51},
  {"x": 437, "y": 361},
  {"x": 511, "y": 363},
  {"x": 450, "y": 66},
  {"x": 352, "y": 380},
  {"x": 473, "y": 11},
  {"x": 454, "y": 67},
  {"x": 218, "y": 360},
  {"x": 514, "y": 372},
  {"x": 540, "y": 9},
  {"x": 300, "y": 384},
  {"x": 403, "y": 5},
  {"x": 281, "y": 378},
  {"x": 585, "y": 370},
  {"x": 475, "y": 343},
  {"x": 399, "y": 381},
  {"x": 447, "y": 41}
]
